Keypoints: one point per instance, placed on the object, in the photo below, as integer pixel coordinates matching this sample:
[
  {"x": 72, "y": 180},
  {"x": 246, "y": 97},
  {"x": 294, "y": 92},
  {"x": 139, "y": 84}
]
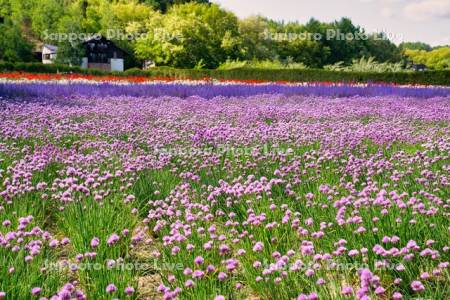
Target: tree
[
  {"x": 256, "y": 41},
  {"x": 45, "y": 16},
  {"x": 294, "y": 43},
  {"x": 436, "y": 59},
  {"x": 21, "y": 10},
  {"x": 94, "y": 13},
  {"x": 5, "y": 8},
  {"x": 347, "y": 48},
  {"x": 123, "y": 23},
  {"x": 13, "y": 47},
  {"x": 415, "y": 46},
  {"x": 309, "y": 52},
  {"x": 188, "y": 34},
  {"x": 164, "y": 5},
  {"x": 382, "y": 49},
  {"x": 70, "y": 51}
]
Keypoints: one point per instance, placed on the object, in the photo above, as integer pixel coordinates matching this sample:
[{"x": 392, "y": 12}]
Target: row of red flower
[
  {"x": 45, "y": 77},
  {"x": 128, "y": 79}
]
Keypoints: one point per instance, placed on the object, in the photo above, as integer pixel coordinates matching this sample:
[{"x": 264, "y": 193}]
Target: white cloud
[
  {"x": 427, "y": 10},
  {"x": 387, "y": 12}
]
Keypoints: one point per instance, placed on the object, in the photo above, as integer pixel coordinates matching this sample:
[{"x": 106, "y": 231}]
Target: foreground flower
[
  {"x": 347, "y": 291},
  {"x": 199, "y": 260},
  {"x": 258, "y": 247},
  {"x": 111, "y": 288},
  {"x": 95, "y": 242},
  {"x": 222, "y": 276},
  {"x": 114, "y": 238},
  {"x": 417, "y": 286},
  {"x": 129, "y": 290},
  {"x": 397, "y": 296},
  {"x": 35, "y": 291}
]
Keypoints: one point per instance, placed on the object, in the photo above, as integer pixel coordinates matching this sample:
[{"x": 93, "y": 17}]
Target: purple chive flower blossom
[
  {"x": 95, "y": 242},
  {"x": 313, "y": 296},
  {"x": 258, "y": 247},
  {"x": 198, "y": 274},
  {"x": 347, "y": 291},
  {"x": 417, "y": 286},
  {"x": 35, "y": 291},
  {"x": 189, "y": 283},
  {"x": 199, "y": 260},
  {"x": 129, "y": 290},
  {"x": 379, "y": 290},
  {"x": 114, "y": 238},
  {"x": 222, "y": 276},
  {"x": 111, "y": 288}
]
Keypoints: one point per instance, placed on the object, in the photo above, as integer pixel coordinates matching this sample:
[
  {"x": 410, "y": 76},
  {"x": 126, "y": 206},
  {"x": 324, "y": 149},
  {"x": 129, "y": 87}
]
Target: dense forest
[{"x": 195, "y": 34}]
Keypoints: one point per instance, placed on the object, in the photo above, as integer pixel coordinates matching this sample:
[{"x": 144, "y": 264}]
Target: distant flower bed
[
  {"x": 66, "y": 78},
  {"x": 26, "y": 85},
  {"x": 76, "y": 77},
  {"x": 21, "y": 76}
]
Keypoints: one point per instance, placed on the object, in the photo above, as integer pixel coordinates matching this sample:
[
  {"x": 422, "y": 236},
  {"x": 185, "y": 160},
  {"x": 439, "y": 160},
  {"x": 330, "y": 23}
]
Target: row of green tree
[{"x": 187, "y": 34}]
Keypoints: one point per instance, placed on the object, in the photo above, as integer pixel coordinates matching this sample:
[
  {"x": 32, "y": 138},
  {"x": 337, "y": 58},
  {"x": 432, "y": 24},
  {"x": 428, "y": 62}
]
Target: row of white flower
[{"x": 204, "y": 82}]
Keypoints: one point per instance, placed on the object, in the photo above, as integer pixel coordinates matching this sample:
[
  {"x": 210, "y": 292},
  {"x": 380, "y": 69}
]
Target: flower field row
[
  {"x": 206, "y": 89},
  {"x": 131, "y": 79},
  {"x": 37, "y": 77},
  {"x": 209, "y": 191}
]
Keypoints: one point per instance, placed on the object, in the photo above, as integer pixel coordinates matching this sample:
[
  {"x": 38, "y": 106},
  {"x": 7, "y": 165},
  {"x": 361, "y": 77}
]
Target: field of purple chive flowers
[{"x": 223, "y": 192}]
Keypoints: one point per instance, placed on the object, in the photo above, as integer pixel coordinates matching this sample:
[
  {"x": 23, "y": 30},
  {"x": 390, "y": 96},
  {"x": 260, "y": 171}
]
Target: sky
[{"x": 403, "y": 20}]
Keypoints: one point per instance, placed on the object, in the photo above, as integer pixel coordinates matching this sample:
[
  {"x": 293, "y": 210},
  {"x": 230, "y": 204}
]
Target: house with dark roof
[{"x": 102, "y": 54}]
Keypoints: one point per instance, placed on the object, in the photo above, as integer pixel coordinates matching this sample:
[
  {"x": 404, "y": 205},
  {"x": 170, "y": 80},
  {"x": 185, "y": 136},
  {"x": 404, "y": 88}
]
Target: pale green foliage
[
  {"x": 366, "y": 65},
  {"x": 189, "y": 33},
  {"x": 45, "y": 16},
  {"x": 164, "y": 5},
  {"x": 233, "y": 64},
  {"x": 261, "y": 64},
  {"x": 122, "y": 14},
  {"x": 5, "y": 8},
  {"x": 438, "y": 59}
]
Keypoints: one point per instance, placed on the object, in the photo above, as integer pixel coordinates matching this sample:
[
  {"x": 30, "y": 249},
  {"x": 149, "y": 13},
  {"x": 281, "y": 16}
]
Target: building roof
[
  {"x": 51, "y": 47},
  {"x": 99, "y": 37}
]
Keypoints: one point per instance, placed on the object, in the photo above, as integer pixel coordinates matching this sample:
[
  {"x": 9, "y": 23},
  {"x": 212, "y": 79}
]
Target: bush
[
  {"x": 260, "y": 64},
  {"x": 366, "y": 65},
  {"x": 437, "y": 59},
  {"x": 42, "y": 68},
  {"x": 439, "y": 77},
  {"x": 133, "y": 72}
]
